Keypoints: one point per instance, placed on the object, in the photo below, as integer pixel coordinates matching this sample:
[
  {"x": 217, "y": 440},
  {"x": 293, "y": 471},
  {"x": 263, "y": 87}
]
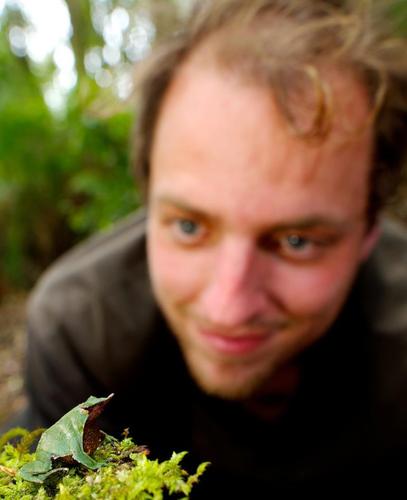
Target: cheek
[
  {"x": 176, "y": 275},
  {"x": 316, "y": 289}
]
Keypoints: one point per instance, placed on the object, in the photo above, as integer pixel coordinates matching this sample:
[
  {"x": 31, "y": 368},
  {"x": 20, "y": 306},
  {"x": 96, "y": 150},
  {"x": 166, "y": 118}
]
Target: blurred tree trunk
[{"x": 83, "y": 34}]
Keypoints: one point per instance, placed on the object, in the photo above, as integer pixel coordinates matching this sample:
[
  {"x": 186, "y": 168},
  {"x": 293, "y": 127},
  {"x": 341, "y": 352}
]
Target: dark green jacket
[{"x": 94, "y": 328}]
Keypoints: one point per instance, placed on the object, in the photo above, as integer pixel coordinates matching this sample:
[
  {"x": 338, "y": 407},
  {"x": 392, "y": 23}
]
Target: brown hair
[{"x": 281, "y": 43}]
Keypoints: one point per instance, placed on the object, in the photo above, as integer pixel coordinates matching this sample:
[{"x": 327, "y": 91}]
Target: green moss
[{"x": 128, "y": 474}]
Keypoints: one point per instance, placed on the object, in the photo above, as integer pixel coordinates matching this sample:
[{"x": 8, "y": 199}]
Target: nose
[{"x": 235, "y": 292}]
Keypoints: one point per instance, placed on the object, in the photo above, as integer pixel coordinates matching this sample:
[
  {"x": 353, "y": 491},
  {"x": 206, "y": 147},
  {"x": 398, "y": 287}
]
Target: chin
[{"x": 227, "y": 381}]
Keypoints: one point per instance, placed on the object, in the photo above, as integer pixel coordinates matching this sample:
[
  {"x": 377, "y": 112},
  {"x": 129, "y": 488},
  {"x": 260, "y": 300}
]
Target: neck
[{"x": 272, "y": 399}]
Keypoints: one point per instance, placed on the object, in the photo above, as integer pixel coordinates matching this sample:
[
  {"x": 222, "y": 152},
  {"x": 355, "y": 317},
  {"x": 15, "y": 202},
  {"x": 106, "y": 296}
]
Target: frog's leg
[
  {"x": 80, "y": 456},
  {"x": 76, "y": 449},
  {"x": 33, "y": 471}
]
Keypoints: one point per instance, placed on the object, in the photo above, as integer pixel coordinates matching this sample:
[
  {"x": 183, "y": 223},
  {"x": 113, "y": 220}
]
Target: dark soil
[{"x": 12, "y": 349}]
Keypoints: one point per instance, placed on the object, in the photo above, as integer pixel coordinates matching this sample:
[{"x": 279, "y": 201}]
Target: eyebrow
[
  {"x": 312, "y": 222},
  {"x": 309, "y": 222},
  {"x": 185, "y": 207}
]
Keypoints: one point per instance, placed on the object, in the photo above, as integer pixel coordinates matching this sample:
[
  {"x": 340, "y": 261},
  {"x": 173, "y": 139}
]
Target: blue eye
[
  {"x": 297, "y": 242},
  {"x": 188, "y": 227},
  {"x": 298, "y": 247},
  {"x": 295, "y": 247},
  {"x": 188, "y": 232}
]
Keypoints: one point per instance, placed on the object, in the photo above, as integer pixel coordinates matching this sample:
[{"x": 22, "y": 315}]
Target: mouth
[{"x": 234, "y": 345}]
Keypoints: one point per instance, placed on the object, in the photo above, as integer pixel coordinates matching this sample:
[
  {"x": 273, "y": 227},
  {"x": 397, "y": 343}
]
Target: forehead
[
  {"x": 304, "y": 86},
  {"x": 202, "y": 86},
  {"x": 215, "y": 130}
]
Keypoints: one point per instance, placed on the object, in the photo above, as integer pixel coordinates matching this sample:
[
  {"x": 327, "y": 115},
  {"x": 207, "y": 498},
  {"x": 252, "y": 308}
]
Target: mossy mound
[{"x": 128, "y": 474}]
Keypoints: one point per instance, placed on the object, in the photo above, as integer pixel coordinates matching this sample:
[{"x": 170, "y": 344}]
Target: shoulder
[
  {"x": 97, "y": 297},
  {"x": 99, "y": 258},
  {"x": 390, "y": 255},
  {"x": 383, "y": 298},
  {"x": 383, "y": 281}
]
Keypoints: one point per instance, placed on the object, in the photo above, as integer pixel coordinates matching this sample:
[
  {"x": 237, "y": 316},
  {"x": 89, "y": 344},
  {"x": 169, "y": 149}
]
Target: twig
[{"x": 7, "y": 470}]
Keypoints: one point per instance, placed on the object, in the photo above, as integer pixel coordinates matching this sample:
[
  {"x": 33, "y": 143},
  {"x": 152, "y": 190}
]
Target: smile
[{"x": 234, "y": 346}]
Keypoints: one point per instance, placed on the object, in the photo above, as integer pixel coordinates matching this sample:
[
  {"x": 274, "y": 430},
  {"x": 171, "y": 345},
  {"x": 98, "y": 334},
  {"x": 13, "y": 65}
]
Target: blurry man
[{"x": 244, "y": 318}]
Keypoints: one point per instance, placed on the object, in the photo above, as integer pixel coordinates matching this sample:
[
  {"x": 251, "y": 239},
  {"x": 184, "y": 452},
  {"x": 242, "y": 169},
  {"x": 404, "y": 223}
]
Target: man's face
[{"x": 254, "y": 235}]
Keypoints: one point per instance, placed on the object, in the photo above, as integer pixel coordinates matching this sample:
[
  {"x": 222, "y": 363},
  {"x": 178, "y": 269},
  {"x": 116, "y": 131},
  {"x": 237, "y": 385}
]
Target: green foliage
[
  {"x": 128, "y": 475},
  {"x": 26, "y": 438},
  {"x": 398, "y": 9},
  {"x": 59, "y": 181},
  {"x": 100, "y": 187},
  {"x": 63, "y": 175}
]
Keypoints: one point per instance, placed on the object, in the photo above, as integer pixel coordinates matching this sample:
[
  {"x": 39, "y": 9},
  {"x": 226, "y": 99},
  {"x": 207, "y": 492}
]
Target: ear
[{"x": 370, "y": 240}]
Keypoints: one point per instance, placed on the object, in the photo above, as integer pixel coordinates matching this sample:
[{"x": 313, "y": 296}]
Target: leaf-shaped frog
[{"x": 70, "y": 440}]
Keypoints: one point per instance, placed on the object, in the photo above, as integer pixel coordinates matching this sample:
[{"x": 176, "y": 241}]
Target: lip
[{"x": 238, "y": 346}]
